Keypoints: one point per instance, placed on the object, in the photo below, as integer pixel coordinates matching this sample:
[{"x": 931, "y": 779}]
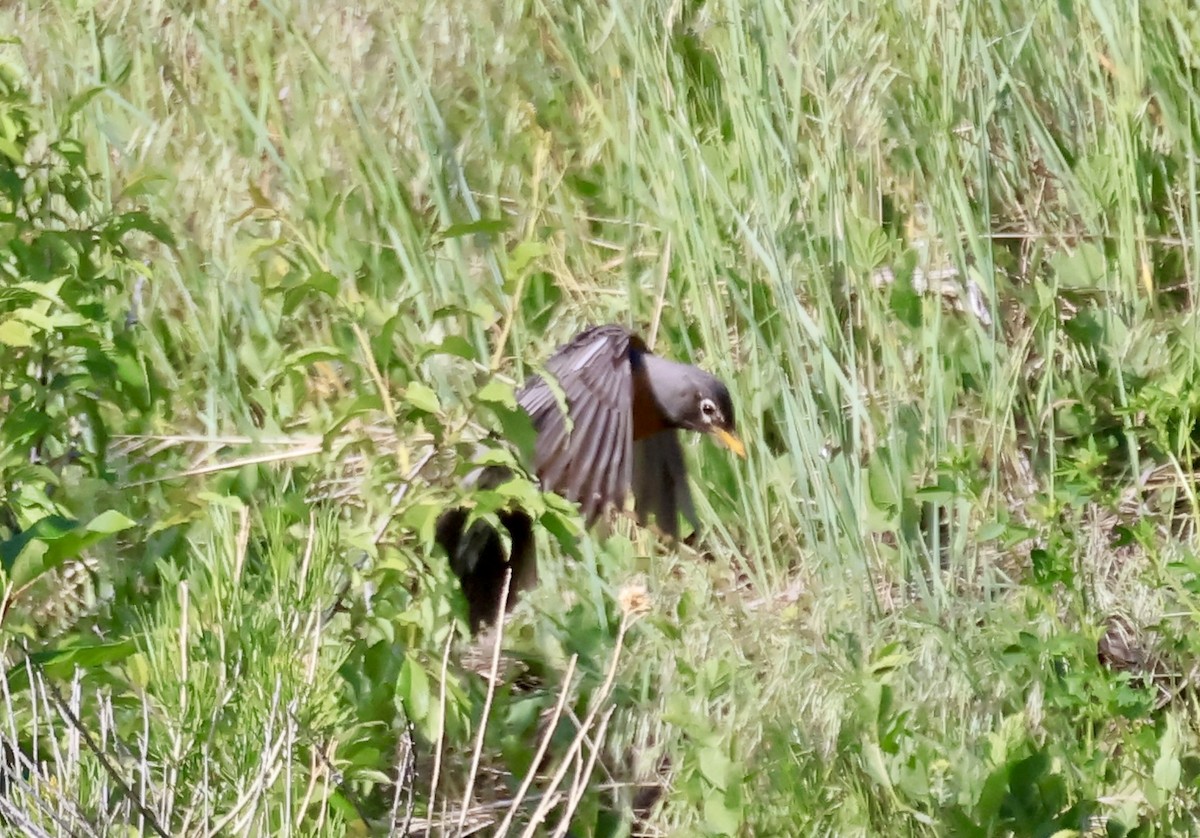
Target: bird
[{"x": 619, "y": 433}]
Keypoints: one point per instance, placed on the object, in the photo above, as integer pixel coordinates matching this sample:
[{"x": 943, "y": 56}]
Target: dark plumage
[{"x": 624, "y": 408}]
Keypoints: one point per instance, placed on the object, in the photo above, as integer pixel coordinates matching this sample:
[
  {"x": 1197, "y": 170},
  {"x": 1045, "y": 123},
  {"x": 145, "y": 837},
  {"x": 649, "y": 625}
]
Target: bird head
[
  {"x": 702, "y": 403},
  {"x": 713, "y": 414},
  {"x": 692, "y": 399}
]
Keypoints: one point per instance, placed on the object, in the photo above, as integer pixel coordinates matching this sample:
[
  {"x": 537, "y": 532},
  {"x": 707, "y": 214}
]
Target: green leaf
[
  {"x": 422, "y": 397},
  {"x": 522, "y": 491},
  {"x": 514, "y": 421},
  {"x": 519, "y": 260},
  {"x": 455, "y": 345},
  {"x": 16, "y": 334},
  {"x": 497, "y": 392},
  {"x": 139, "y": 220},
  {"x": 1167, "y": 770},
  {"x": 318, "y": 282},
  {"x": 25, "y": 548},
  {"x": 78, "y": 196},
  {"x": 874, "y": 765},
  {"x": 422, "y": 519},
  {"x": 891, "y": 657},
  {"x": 561, "y": 525},
  {"x": 1084, "y": 268},
  {"x": 109, "y": 523},
  {"x": 715, "y": 766},
  {"x": 52, "y": 541},
  {"x": 906, "y": 304},
  {"x": 50, "y": 290},
  {"x": 523, "y": 254},
  {"x": 11, "y": 150},
  {"x": 991, "y": 531},
  {"x": 1025, "y": 774},
  {"x": 883, "y": 494},
  {"x": 59, "y": 321},
  {"x": 496, "y": 457},
  {"x": 412, "y": 688},
  {"x": 867, "y": 242},
  {"x": 61, "y": 663},
  {"x": 131, "y": 372},
  {"x": 483, "y": 311},
  {"x": 484, "y": 226},
  {"x": 943, "y": 491},
  {"x": 312, "y": 355},
  {"x": 719, "y": 817}
]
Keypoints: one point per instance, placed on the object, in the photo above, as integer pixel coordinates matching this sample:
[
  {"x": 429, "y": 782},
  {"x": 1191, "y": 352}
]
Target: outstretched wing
[{"x": 588, "y": 457}]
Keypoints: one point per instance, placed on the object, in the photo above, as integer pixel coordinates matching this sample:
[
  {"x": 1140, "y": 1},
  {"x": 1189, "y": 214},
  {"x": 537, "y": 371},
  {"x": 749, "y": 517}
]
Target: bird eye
[{"x": 708, "y": 408}]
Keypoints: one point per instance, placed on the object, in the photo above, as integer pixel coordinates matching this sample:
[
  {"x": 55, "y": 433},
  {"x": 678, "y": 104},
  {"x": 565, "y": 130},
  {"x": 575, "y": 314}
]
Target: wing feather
[
  {"x": 587, "y": 462},
  {"x": 598, "y": 452}
]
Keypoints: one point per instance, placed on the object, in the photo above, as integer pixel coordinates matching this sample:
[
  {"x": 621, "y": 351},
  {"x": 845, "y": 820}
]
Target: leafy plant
[{"x": 70, "y": 362}]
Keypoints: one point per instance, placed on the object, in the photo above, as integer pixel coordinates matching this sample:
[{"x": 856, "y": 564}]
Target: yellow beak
[{"x": 730, "y": 441}]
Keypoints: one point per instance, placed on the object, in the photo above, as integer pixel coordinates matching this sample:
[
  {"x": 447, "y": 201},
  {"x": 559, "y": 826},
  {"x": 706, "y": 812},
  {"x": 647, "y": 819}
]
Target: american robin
[{"x": 624, "y": 408}]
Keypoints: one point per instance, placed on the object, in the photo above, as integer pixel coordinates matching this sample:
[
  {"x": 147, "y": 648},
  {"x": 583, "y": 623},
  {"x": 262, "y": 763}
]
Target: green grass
[{"x": 943, "y": 254}]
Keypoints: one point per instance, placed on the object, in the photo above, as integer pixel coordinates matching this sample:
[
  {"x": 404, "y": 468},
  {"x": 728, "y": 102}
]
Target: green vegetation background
[{"x": 270, "y": 270}]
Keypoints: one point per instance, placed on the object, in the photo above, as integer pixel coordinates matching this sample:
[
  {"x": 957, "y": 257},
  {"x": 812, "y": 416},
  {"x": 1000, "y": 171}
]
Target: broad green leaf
[
  {"x": 891, "y": 657},
  {"x": 11, "y": 150},
  {"x": 412, "y": 688},
  {"x": 1083, "y": 268},
  {"x": 519, "y": 260},
  {"x": 522, "y": 491},
  {"x": 881, "y": 488},
  {"x": 422, "y": 397},
  {"x": 1167, "y": 768},
  {"x": 497, "y": 392},
  {"x": 991, "y": 530},
  {"x": 523, "y": 254},
  {"x": 16, "y": 334},
  {"x": 109, "y": 523},
  {"x": 143, "y": 221},
  {"x": 941, "y": 492},
  {"x": 54, "y": 540},
  {"x": 323, "y": 282},
  {"x": 61, "y": 663},
  {"x": 719, "y": 817},
  {"x": 496, "y": 457},
  {"x": 30, "y": 544},
  {"x": 484, "y": 311},
  {"x": 562, "y": 526},
  {"x": 50, "y": 291},
  {"x": 60, "y": 320},
  {"x": 875, "y": 766},
  {"x": 1167, "y": 772},
  {"x": 137, "y": 668},
  {"x": 422, "y": 518},
  {"x": 715, "y": 766},
  {"x": 320, "y": 282},
  {"x": 516, "y": 426},
  {"x": 455, "y": 345},
  {"x": 348, "y": 411},
  {"x": 130, "y": 371}
]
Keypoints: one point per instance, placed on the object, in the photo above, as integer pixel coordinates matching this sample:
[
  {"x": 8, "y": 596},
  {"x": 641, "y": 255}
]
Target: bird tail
[{"x": 477, "y": 555}]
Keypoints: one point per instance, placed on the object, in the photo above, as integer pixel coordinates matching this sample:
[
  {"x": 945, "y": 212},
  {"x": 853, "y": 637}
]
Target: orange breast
[{"x": 647, "y": 417}]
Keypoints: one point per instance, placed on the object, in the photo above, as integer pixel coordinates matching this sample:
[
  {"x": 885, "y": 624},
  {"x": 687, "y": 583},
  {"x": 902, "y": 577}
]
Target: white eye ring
[{"x": 708, "y": 408}]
